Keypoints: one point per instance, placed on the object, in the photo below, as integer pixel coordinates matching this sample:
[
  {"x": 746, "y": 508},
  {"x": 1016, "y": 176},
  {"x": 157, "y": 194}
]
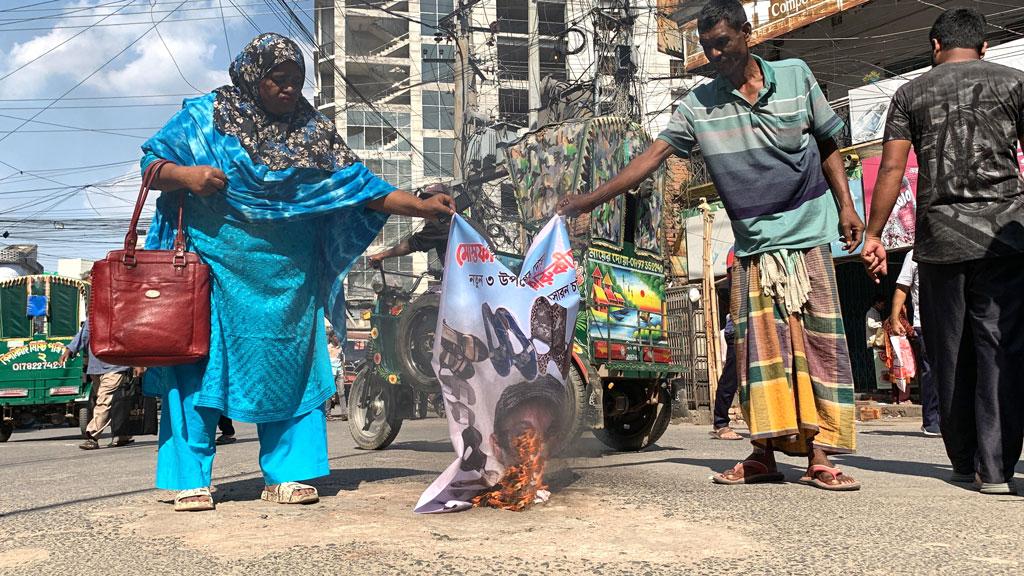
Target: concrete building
[
  {"x": 399, "y": 56},
  {"x": 19, "y": 260},
  {"x": 387, "y": 51},
  {"x": 73, "y": 267}
]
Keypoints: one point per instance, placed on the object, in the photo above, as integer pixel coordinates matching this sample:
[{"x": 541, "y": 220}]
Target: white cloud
[{"x": 145, "y": 68}]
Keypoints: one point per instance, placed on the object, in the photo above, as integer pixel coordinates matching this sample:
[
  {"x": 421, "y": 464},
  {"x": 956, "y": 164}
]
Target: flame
[{"x": 517, "y": 489}]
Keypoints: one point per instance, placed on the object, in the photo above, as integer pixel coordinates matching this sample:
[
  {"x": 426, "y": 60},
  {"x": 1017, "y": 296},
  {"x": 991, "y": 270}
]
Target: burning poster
[{"x": 502, "y": 351}]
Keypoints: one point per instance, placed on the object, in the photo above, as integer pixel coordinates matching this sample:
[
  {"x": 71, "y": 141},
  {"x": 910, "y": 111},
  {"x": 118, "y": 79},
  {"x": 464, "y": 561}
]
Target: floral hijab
[{"x": 303, "y": 139}]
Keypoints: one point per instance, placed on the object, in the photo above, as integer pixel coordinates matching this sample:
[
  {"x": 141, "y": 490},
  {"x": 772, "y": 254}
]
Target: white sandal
[
  {"x": 206, "y": 503},
  {"x": 285, "y": 493}
]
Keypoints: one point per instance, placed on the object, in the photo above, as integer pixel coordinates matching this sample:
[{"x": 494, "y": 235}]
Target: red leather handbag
[{"x": 150, "y": 307}]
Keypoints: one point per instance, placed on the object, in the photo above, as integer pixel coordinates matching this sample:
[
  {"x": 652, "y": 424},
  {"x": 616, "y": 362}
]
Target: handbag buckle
[
  {"x": 179, "y": 259},
  {"x": 128, "y": 260}
]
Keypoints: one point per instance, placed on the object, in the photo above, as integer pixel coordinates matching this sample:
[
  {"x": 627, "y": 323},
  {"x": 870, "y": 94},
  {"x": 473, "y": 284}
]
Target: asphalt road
[{"x": 65, "y": 511}]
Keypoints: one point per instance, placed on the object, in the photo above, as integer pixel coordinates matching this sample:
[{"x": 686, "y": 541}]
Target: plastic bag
[{"x": 903, "y": 368}]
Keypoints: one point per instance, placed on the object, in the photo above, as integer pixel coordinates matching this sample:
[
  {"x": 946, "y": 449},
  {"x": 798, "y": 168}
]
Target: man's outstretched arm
[
  {"x": 628, "y": 178},
  {"x": 401, "y": 249}
]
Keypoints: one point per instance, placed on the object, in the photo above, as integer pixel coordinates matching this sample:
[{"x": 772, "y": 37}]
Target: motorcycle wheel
[
  {"x": 415, "y": 347},
  {"x": 635, "y": 431},
  {"x": 372, "y": 419}
]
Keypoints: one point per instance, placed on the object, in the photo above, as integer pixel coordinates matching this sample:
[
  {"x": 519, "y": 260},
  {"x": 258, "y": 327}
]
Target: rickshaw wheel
[
  {"x": 637, "y": 430},
  {"x": 372, "y": 419}
]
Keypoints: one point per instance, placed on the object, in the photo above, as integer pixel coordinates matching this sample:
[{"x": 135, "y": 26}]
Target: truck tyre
[
  {"x": 415, "y": 347},
  {"x": 84, "y": 417},
  {"x": 578, "y": 408},
  {"x": 372, "y": 412},
  {"x": 636, "y": 431},
  {"x": 6, "y": 429}
]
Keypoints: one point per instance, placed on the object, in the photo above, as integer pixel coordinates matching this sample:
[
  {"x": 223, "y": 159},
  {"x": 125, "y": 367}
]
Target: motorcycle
[{"x": 397, "y": 372}]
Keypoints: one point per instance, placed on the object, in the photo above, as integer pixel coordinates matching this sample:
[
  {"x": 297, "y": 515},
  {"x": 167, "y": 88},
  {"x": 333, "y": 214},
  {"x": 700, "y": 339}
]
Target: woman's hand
[
  {"x": 402, "y": 203},
  {"x": 437, "y": 206},
  {"x": 897, "y": 325},
  {"x": 200, "y": 180}
]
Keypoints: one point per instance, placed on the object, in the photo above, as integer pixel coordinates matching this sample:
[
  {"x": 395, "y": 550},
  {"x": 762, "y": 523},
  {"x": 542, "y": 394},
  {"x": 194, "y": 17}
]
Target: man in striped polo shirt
[{"x": 766, "y": 133}]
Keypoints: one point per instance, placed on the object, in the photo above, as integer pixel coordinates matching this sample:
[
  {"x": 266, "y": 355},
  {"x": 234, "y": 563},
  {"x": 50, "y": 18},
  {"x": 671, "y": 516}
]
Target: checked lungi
[{"x": 795, "y": 380}]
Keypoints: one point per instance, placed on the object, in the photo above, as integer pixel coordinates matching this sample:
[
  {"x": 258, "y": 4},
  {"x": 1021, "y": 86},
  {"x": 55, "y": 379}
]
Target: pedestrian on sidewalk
[
  {"x": 876, "y": 340},
  {"x": 774, "y": 177},
  {"x": 907, "y": 284},
  {"x": 964, "y": 119},
  {"x": 728, "y": 383},
  {"x": 279, "y": 207},
  {"x": 106, "y": 379}
]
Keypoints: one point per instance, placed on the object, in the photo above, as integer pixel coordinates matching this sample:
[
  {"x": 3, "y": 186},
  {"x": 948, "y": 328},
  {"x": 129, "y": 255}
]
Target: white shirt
[{"x": 908, "y": 278}]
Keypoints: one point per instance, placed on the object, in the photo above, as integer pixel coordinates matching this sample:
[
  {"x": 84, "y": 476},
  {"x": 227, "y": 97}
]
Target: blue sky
[{"x": 92, "y": 135}]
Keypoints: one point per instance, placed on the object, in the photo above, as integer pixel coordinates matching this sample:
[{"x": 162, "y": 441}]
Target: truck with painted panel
[
  {"x": 622, "y": 356},
  {"x": 622, "y": 359}
]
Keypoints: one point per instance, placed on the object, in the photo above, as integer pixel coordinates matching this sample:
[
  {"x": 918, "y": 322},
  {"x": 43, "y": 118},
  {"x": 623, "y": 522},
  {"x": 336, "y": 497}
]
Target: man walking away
[
  {"x": 965, "y": 118},
  {"x": 767, "y": 132},
  {"x": 907, "y": 284},
  {"x": 727, "y": 385},
  {"x": 107, "y": 379}
]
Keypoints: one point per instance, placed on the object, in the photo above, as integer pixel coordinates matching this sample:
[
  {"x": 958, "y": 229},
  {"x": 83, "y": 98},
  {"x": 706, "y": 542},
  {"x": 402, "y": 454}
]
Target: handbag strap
[{"x": 132, "y": 237}]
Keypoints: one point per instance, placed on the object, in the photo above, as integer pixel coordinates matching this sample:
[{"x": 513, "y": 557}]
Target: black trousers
[
  {"x": 929, "y": 395},
  {"x": 973, "y": 316},
  {"x": 727, "y": 385}
]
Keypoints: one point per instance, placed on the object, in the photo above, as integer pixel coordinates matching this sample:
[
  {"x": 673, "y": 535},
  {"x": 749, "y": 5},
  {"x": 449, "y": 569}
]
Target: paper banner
[{"x": 502, "y": 351}]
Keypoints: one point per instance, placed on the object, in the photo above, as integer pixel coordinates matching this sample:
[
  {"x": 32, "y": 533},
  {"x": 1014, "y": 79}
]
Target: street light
[{"x": 694, "y": 295}]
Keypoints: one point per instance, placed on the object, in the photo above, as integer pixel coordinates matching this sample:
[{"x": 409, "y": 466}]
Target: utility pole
[
  {"x": 613, "y": 57},
  {"x": 533, "y": 62},
  {"x": 710, "y": 302},
  {"x": 462, "y": 68}
]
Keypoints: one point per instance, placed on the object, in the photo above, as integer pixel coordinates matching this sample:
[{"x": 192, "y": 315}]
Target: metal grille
[{"x": 689, "y": 344}]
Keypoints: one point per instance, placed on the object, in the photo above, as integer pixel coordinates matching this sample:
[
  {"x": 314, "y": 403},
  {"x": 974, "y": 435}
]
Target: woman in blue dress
[{"x": 279, "y": 208}]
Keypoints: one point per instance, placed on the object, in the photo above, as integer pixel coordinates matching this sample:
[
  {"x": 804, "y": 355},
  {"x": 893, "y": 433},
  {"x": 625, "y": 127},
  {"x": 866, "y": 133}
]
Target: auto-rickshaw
[{"x": 39, "y": 315}]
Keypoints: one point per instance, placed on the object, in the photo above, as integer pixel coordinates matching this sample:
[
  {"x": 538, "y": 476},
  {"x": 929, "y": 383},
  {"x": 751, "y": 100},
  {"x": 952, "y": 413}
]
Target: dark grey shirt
[{"x": 964, "y": 120}]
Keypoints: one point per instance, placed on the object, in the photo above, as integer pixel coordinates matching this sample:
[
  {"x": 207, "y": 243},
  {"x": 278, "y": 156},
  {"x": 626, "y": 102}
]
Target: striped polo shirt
[{"x": 762, "y": 157}]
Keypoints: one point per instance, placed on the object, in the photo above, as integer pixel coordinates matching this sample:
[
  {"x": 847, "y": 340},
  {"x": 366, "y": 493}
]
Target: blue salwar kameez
[{"x": 279, "y": 243}]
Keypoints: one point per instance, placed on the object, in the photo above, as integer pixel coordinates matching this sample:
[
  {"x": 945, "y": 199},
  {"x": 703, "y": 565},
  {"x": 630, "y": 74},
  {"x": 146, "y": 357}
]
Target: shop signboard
[{"x": 768, "y": 19}]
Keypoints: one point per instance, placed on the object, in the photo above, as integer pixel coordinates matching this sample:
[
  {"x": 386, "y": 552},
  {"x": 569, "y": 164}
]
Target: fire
[{"x": 517, "y": 489}]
